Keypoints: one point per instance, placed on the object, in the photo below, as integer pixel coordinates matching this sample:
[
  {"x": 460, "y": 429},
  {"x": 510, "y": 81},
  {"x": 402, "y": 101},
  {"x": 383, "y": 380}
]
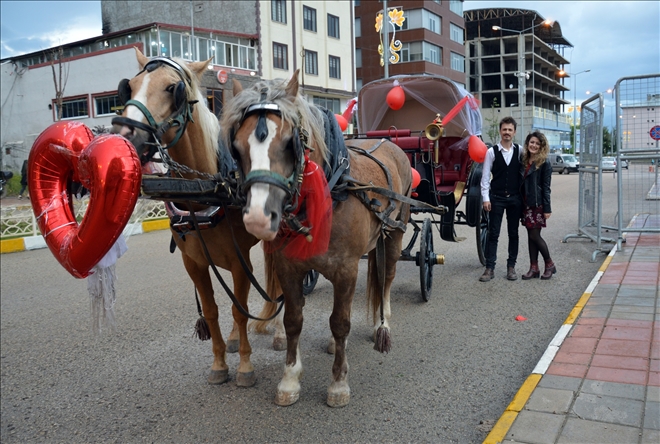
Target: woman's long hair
[{"x": 542, "y": 155}]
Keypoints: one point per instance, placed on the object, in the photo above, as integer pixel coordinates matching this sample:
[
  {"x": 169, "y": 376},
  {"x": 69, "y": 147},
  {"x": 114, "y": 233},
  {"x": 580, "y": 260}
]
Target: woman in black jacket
[{"x": 535, "y": 191}]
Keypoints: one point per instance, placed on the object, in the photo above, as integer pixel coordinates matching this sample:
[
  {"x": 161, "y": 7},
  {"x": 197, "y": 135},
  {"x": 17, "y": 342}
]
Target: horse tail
[
  {"x": 273, "y": 289},
  {"x": 373, "y": 286}
]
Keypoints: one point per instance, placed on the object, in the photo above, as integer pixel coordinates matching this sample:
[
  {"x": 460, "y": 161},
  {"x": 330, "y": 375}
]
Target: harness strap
[
  {"x": 249, "y": 274},
  {"x": 361, "y": 186}
]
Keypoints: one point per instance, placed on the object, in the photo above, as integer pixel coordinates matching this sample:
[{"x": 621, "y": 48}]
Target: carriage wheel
[
  {"x": 426, "y": 259},
  {"x": 309, "y": 282},
  {"x": 482, "y": 236}
]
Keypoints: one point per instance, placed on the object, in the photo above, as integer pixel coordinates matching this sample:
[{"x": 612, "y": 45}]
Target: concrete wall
[
  {"x": 231, "y": 16},
  {"x": 26, "y": 94}
]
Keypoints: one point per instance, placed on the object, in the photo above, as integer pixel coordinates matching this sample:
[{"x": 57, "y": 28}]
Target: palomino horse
[
  {"x": 278, "y": 138},
  {"x": 166, "y": 91}
]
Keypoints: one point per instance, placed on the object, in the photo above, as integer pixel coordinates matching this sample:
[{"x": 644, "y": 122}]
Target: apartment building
[
  {"x": 514, "y": 59},
  {"x": 431, "y": 36}
]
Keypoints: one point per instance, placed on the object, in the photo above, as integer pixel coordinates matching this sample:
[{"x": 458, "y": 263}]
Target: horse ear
[
  {"x": 199, "y": 67},
  {"x": 292, "y": 87},
  {"x": 237, "y": 87},
  {"x": 141, "y": 58}
]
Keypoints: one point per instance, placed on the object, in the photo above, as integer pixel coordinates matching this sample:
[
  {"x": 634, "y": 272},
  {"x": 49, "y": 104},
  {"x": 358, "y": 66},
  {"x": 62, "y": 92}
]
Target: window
[
  {"x": 358, "y": 58},
  {"x": 73, "y": 108},
  {"x": 214, "y": 101},
  {"x": 311, "y": 62},
  {"x": 278, "y": 10},
  {"x": 431, "y": 22},
  {"x": 358, "y": 27},
  {"x": 432, "y": 53},
  {"x": 457, "y": 62},
  {"x": 411, "y": 52},
  {"x": 416, "y": 51},
  {"x": 280, "y": 56},
  {"x": 456, "y": 33},
  {"x": 334, "y": 67},
  {"x": 106, "y": 105},
  {"x": 456, "y": 6},
  {"x": 329, "y": 103},
  {"x": 309, "y": 18},
  {"x": 231, "y": 51},
  {"x": 333, "y": 26}
]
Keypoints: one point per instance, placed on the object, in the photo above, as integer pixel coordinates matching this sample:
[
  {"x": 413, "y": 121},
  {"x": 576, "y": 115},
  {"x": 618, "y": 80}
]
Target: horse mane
[
  {"x": 202, "y": 115},
  {"x": 297, "y": 112}
]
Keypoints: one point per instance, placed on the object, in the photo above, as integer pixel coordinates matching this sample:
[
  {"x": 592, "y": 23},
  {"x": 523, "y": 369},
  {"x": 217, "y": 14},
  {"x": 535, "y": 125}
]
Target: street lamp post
[
  {"x": 564, "y": 73},
  {"x": 522, "y": 74}
]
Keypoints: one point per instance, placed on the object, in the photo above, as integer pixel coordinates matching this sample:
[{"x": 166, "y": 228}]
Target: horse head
[
  {"x": 158, "y": 103},
  {"x": 269, "y": 128}
]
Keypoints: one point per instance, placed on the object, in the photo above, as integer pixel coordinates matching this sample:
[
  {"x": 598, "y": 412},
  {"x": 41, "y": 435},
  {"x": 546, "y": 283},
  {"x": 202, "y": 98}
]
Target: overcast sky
[{"x": 613, "y": 39}]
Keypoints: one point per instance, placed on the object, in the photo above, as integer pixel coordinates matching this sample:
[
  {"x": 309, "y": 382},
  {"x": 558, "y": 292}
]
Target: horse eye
[{"x": 170, "y": 89}]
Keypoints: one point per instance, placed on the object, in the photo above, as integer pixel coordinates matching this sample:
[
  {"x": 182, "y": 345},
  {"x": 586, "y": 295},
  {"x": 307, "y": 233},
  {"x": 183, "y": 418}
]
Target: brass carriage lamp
[{"x": 434, "y": 131}]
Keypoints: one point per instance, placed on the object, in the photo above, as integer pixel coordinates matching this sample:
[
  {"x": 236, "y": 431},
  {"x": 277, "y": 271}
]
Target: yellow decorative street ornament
[{"x": 396, "y": 18}]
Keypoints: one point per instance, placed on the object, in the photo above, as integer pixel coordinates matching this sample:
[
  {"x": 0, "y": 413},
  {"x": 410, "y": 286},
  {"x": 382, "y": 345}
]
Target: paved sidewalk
[{"x": 599, "y": 380}]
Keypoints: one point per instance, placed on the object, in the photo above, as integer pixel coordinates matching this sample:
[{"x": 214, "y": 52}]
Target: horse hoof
[
  {"x": 217, "y": 377},
  {"x": 286, "y": 398},
  {"x": 279, "y": 344},
  {"x": 232, "y": 346},
  {"x": 246, "y": 379},
  {"x": 339, "y": 399}
]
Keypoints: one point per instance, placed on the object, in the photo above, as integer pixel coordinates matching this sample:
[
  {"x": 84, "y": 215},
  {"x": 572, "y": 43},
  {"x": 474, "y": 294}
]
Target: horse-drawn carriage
[
  {"x": 439, "y": 152},
  {"x": 318, "y": 205}
]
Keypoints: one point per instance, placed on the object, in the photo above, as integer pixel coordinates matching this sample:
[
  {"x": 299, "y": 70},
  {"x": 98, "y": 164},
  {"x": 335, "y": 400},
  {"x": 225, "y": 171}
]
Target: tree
[
  {"x": 493, "y": 124},
  {"x": 60, "y": 77},
  {"x": 572, "y": 150},
  {"x": 607, "y": 141}
]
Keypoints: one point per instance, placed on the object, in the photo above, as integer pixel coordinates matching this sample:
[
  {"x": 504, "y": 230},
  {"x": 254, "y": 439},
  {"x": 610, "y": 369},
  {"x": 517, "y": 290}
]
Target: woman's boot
[
  {"x": 533, "y": 272},
  {"x": 550, "y": 269}
]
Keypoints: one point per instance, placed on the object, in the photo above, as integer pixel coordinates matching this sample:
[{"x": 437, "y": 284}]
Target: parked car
[
  {"x": 624, "y": 164},
  {"x": 608, "y": 163},
  {"x": 564, "y": 163}
]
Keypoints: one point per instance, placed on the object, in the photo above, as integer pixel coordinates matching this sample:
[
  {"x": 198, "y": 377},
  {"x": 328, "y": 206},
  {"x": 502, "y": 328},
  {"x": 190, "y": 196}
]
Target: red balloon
[
  {"x": 396, "y": 98},
  {"x": 343, "y": 123},
  {"x": 477, "y": 149},
  {"x": 108, "y": 166},
  {"x": 416, "y": 178}
]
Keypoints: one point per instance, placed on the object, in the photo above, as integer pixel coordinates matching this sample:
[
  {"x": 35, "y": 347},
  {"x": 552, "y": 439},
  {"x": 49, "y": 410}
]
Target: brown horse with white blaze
[
  {"x": 164, "y": 105},
  {"x": 275, "y": 134}
]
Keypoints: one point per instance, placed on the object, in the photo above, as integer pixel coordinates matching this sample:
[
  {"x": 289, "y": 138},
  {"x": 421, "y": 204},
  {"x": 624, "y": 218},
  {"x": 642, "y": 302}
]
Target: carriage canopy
[{"x": 426, "y": 96}]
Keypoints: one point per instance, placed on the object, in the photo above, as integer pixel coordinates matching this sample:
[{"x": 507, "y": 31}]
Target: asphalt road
[{"x": 455, "y": 364}]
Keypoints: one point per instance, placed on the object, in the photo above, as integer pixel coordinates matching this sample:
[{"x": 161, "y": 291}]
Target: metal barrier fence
[
  {"x": 19, "y": 221},
  {"x": 590, "y": 203},
  {"x": 638, "y": 134}
]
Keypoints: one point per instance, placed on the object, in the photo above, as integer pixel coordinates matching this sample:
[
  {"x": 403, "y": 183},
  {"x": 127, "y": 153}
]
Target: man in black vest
[{"x": 501, "y": 194}]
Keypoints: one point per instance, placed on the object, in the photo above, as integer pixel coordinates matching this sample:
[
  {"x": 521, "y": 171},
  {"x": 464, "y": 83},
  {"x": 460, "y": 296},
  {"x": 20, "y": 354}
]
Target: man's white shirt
[{"x": 488, "y": 166}]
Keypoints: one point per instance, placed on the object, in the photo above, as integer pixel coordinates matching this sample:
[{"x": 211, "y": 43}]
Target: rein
[{"x": 250, "y": 276}]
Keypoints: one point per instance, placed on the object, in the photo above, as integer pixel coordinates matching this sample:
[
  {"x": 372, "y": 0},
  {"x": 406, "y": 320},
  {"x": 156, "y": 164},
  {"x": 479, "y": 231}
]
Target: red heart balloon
[{"x": 108, "y": 166}]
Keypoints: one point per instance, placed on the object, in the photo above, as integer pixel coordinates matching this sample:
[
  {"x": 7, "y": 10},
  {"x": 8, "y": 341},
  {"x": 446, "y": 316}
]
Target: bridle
[
  {"x": 299, "y": 141},
  {"x": 179, "y": 119}
]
